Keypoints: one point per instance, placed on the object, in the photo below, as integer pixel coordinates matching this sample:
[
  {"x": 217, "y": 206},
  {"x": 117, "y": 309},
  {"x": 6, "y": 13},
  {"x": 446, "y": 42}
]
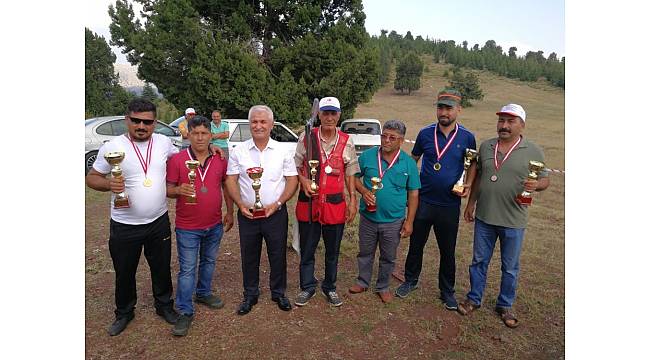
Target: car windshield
[{"x": 368, "y": 128}]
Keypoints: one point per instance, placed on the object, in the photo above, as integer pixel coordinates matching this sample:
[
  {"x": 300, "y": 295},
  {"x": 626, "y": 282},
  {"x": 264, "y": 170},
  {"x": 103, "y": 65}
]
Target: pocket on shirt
[{"x": 399, "y": 181}]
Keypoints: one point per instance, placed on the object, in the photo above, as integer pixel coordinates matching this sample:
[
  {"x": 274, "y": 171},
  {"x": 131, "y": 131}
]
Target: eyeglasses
[
  {"x": 392, "y": 138},
  {"x": 138, "y": 121}
]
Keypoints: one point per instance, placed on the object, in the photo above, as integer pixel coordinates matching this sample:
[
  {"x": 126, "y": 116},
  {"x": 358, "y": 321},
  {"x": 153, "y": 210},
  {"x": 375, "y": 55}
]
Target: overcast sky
[{"x": 527, "y": 24}]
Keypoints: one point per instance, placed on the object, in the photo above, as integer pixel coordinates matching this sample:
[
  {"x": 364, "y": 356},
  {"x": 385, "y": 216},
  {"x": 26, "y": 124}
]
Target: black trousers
[
  {"x": 273, "y": 230},
  {"x": 309, "y": 237},
  {"x": 125, "y": 245},
  {"x": 444, "y": 220}
]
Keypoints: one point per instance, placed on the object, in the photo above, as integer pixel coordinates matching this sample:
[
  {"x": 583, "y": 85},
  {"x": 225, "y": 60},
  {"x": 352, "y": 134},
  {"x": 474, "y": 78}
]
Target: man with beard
[
  {"x": 443, "y": 146},
  {"x": 145, "y": 223},
  {"x": 278, "y": 184},
  {"x": 502, "y": 175}
]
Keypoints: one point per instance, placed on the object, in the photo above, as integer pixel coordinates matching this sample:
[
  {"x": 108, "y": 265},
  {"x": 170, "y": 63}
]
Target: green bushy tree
[
  {"x": 467, "y": 83},
  {"x": 408, "y": 73}
]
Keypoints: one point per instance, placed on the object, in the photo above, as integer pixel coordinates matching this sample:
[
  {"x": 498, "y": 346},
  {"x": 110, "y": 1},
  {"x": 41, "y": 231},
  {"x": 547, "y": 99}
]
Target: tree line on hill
[{"x": 231, "y": 56}]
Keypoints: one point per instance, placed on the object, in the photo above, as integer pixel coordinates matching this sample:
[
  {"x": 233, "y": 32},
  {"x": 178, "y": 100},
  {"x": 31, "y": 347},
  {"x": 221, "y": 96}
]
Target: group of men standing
[{"x": 396, "y": 202}]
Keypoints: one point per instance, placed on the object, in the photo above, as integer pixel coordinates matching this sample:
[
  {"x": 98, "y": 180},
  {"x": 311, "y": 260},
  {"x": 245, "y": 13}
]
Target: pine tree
[
  {"x": 408, "y": 73},
  {"x": 467, "y": 83}
]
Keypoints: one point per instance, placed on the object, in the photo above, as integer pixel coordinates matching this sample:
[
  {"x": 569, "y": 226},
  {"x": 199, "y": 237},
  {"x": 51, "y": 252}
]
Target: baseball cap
[
  {"x": 514, "y": 110},
  {"x": 189, "y": 111},
  {"x": 449, "y": 97},
  {"x": 329, "y": 103}
]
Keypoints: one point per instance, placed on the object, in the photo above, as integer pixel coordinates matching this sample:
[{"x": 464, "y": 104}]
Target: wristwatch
[{"x": 279, "y": 205}]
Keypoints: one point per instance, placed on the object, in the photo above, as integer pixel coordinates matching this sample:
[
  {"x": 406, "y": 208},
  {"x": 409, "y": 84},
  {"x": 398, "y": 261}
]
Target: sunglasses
[
  {"x": 392, "y": 138},
  {"x": 138, "y": 121}
]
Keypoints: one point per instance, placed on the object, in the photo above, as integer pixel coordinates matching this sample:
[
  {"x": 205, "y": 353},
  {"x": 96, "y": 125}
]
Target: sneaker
[
  {"x": 303, "y": 298},
  {"x": 182, "y": 326},
  {"x": 333, "y": 298},
  {"x": 404, "y": 289},
  {"x": 212, "y": 301},
  {"x": 450, "y": 303}
]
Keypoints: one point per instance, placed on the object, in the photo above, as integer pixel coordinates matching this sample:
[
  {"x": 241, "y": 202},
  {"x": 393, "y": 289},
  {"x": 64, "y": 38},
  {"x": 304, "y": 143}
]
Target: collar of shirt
[
  {"x": 270, "y": 145},
  {"x": 194, "y": 157},
  {"x": 522, "y": 144}
]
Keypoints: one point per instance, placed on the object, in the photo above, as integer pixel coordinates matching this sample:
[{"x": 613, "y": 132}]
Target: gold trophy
[
  {"x": 255, "y": 173},
  {"x": 114, "y": 159},
  {"x": 376, "y": 185},
  {"x": 525, "y": 198},
  {"x": 192, "y": 165},
  {"x": 470, "y": 155},
  {"x": 313, "y": 164}
]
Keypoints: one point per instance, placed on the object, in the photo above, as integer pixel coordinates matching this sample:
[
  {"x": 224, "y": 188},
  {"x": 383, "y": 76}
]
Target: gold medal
[
  {"x": 147, "y": 182},
  {"x": 436, "y": 166}
]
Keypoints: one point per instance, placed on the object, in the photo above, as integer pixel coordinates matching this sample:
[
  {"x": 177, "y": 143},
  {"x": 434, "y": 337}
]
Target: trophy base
[
  {"x": 458, "y": 189},
  {"x": 524, "y": 200},
  {"x": 190, "y": 200},
  {"x": 371, "y": 208},
  {"x": 258, "y": 214},
  {"x": 121, "y": 203}
]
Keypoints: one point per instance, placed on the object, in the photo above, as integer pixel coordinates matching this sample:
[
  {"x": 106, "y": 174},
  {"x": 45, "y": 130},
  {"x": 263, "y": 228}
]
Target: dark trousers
[
  {"x": 309, "y": 237},
  {"x": 274, "y": 231},
  {"x": 444, "y": 220},
  {"x": 125, "y": 245}
]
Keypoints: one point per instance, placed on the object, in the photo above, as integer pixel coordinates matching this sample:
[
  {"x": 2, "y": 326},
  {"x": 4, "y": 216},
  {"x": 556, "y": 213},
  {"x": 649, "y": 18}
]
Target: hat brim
[
  {"x": 511, "y": 114},
  {"x": 330, "y": 107},
  {"x": 448, "y": 102}
]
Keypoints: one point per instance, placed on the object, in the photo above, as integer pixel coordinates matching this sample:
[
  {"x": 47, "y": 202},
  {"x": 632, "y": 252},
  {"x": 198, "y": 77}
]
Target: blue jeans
[
  {"x": 485, "y": 237},
  {"x": 193, "y": 245}
]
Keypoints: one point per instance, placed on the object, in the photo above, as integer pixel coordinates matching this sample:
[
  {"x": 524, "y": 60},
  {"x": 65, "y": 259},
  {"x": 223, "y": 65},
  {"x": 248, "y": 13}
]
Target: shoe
[
  {"x": 357, "y": 289},
  {"x": 212, "y": 301},
  {"x": 283, "y": 303},
  {"x": 303, "y": 298},
  {"x": 467, "y": 307},
  {"x": 182, "y": 326},
  {"x": 246, "y": 306},
  {"x": 449, "y": 302},
  {"x": 333, "y": 298},
  {"x": 120, "y": 324},
  {"x": 404, "y": 289},
  {"x": 170, "y": 315},
  {"x": 385, "y": 296}
]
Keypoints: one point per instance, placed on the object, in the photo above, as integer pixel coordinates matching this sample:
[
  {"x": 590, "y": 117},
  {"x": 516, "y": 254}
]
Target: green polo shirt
[
  {"x": 496, "y": 203},
  {"x": 223, "y": 127},
  {"x": 397, "y": 181}
]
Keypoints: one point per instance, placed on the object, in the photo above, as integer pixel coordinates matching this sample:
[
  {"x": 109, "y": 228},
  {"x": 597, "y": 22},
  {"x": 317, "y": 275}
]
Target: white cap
[
  {"x": 514, "y": 110},
  {"x": 189, "y": 111},
  {"x": 329, "y": 103}
]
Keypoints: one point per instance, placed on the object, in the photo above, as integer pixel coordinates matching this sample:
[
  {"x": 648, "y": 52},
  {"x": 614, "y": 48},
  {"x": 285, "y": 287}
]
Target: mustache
[{"x": 504, "y": 130}]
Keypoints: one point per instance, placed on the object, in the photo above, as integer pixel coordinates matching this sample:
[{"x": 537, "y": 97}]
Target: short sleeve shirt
[
  {"x": 437, "y": 184},
  {"x": 214, "y": 129},
  {"x": 397, "y": 181},
  {"x": 277, "y": 163},
  {"x": 146, "y": 203},
  {"x": 496, "y": 203},
  {"x": 207, "y": 211}
]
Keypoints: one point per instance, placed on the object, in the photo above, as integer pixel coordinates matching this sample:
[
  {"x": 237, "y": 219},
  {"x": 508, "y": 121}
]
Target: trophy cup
[
  {"x": 376, "y": 185},
  {"x": 114, "y": 159},
  {"x": 192, "y": 165},
  {"x": 313, "y": 164},
  {"x": 459, "y": 186},
  {"x": 255, "y": 173},
  {"x": 525, "y": 197}
]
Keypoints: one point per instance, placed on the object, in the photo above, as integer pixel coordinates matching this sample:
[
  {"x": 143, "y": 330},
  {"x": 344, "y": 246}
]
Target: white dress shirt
[{"x": 276, "y": 162}]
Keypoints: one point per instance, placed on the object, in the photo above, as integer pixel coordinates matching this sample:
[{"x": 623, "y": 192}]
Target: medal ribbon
[
  {"x": 435, "y": 141},
  {"x": 201, "y": 174},
  {"x": 143, "y": 162},
  {"x": 392, "y": 162},
  {"x": 327, "y": 157},
  {"x": 496, "y": 150}
]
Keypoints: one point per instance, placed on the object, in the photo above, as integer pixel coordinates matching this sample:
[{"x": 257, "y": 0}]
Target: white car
[
  {"x": 240, "y": 131},
  {"x": 365, "y": 133}
]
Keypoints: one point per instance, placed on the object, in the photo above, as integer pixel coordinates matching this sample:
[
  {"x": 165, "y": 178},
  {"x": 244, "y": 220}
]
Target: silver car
[{"x": 103, "y": 129}]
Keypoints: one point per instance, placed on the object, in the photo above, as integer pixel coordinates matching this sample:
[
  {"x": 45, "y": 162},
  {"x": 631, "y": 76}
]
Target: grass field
[{"x": 416, "y": 327}]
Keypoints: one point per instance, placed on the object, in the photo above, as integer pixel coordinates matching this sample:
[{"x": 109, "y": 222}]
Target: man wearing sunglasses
[
  {"x": 382, "y": 221},
  {"x": 442, "y": 146},
  {"x": 145, "y": 223}
]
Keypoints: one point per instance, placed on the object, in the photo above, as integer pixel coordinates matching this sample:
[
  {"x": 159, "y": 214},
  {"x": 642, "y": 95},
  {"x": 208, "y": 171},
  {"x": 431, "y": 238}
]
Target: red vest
[{"x": 328, "y": 207}]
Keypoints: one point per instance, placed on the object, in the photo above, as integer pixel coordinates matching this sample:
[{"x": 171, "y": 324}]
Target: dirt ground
[{"x": 416, "y": 327}]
